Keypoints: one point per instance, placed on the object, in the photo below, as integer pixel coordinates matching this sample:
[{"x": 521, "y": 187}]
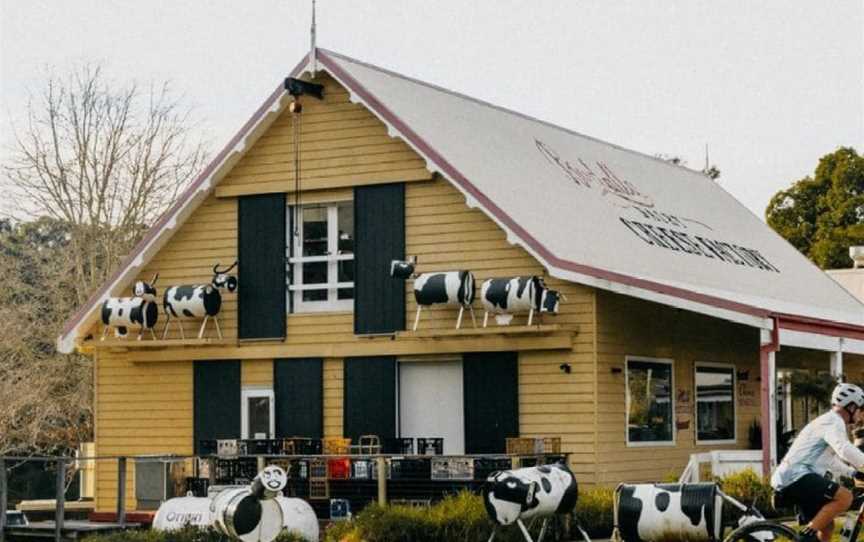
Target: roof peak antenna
[{"x": 313, "y": 50}]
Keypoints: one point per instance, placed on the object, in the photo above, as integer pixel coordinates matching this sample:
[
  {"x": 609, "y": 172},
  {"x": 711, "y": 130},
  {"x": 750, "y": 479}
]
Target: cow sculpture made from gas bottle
[
  {"x": 254, "y": 513},
  {"x": 139, "y": 311},
  {"x": 515, "y": 496},
  {"x": 198, "y": 301},
  {"x": 505, "y": 297},
  {"x": 448, "y": 288}
]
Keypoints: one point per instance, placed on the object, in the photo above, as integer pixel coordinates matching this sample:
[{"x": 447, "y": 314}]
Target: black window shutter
[
  {"x": 379, "y": 229},
  {"x": 261, "y": 243},
  {"x": 491, "y": 395},
  {"x": 298, "y": 385},
  {"x": 216, "y": 402},
  {"x": 369, "y": 397}
]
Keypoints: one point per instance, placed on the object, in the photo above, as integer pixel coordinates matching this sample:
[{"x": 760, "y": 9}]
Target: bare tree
[
  {"x": 107, "y": 160},
  {"x": 94, "y": 164}
]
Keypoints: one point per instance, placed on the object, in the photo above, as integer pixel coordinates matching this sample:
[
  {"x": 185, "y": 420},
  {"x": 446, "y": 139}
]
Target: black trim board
[
  {"x": 369, "y": 397},
  {"x": 491, "y": 393},
  {"x": 298, "y": 385},
  {"x": 216, "y": 401}
]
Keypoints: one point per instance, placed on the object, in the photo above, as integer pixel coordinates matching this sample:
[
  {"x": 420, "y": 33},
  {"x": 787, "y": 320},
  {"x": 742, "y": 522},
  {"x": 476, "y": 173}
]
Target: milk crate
[
  {"x": 521, "y": 446},
  {"x": 336, "y": 445},
  {"x": 197, "y": 486},
  {"x": 368, "y": 445},
  {"x": 227, "y": 448},
  {"x": 319, "y": 489},
  {"x": 340, "y": 509},
  {"x": 207, "y": 447},
  {"x": 452, "y": 468},
  {"x": 361, "y": 469},
  {"x": 484, "y": 466},
  {"x": 414, "y": 468},
  {"x": 399, "y": 446},
  {"x": 548, "y": 445},
  {"x": 318, "y": 469},
  {"x": 430, "y": 446},
  {"x": 301, "y": 446},
  {"x": 413, "y": 503},
  {"x": 263, "y": 447},
  {"x": 339, "y": 468}
]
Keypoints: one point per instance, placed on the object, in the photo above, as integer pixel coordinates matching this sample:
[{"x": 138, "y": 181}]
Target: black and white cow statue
[
  {"x": 513, "y": 496},
  {"x": 140, "y": 310},
  {"x": 450, "y": 288},
  {"x": 504, "y": 297},
  {"x": 197, "y": 301},
  {"x": 660, "y": 512}
]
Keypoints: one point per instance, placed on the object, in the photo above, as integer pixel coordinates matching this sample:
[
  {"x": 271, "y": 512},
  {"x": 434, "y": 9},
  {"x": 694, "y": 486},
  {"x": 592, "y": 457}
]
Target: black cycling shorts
[{"x": 810, "y": 492}]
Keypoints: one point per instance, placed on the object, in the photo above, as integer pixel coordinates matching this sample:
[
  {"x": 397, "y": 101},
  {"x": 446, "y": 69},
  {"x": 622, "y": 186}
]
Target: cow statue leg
[
  {"x": 417, "y": 317},
  {"x": 105, "y": 331},
  {"x": 530, "y": 316},
  {"x": 459, "y": 318},
  {"x": 473, "y": 319},
  {"x": 218, "y": 329},
  {"x": 524, "y": 530},
  {"x": 485, "y": 318},
  {"x": 165, "y": 329},
  {"x": 203, "y": 325},
  {"x": 492, "y": 536},
  {"x": 152, "y": 333}
]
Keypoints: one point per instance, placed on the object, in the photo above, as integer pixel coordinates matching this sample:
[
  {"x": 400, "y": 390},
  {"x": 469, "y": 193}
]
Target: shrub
[
  {"x": 188, "y": 534},
  {"x": 748, "y": 487},
  {"x": 594, "y": 511},
  {"x": 456, "y": 517}
]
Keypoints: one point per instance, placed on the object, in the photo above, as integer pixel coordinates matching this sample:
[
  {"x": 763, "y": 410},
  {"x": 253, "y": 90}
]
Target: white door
[{"x": 430, "y": 403}]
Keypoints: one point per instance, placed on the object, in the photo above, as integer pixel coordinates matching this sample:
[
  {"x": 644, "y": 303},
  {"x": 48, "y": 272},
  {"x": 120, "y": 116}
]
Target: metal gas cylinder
[
  {"x": 246, "y": 513},
  {"x": 299, "y": 518}
]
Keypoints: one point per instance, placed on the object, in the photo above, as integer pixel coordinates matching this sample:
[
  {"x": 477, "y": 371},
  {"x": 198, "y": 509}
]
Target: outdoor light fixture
[{"x": 565, "y": 368}]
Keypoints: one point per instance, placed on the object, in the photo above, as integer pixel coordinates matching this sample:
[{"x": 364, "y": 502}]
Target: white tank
[
  {"x": 246, "y": 513},
  {"x": 659, "y": 512},
  {"x": 299, "y": 517}
]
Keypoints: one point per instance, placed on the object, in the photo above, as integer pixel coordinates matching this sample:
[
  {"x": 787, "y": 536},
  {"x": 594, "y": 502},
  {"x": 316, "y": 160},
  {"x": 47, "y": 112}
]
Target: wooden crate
[
  {"x": 336, "y": 445},
  {"x": 520, "y": 446}
]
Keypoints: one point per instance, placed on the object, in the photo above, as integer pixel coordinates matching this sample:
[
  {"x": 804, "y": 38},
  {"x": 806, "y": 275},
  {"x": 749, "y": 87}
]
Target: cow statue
[
  {"x": 504, "y": 297},
  {"x": 513, "y": 496},
  {"x": 659, "y": 512},
  {"x": 140, "y": 310},
  {"x": 196, "y": 301},
  {"x": 449, "y": 288}
]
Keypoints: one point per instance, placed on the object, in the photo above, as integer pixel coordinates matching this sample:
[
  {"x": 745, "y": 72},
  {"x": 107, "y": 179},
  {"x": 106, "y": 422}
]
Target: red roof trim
[
  {"x": 154, "y": 230},
  {"x": 530, "y": 240}
]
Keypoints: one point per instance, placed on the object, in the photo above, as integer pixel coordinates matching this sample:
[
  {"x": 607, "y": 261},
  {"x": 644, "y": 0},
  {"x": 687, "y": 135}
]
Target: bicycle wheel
[{"x": 763, "y": 531}]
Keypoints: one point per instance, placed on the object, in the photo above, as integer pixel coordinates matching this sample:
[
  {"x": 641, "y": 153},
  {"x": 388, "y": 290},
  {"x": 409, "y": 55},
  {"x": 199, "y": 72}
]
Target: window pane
[
  {"x": 314, "y": 231},
  {"x": 346, "y": 274},
  {"x": 346, "y": 228},
  {"x": 650, "y": 388},
  {"x": 315, "y": 273},
  {"x": 715, "y": 405},
  {"x": 259, "y": 417}
]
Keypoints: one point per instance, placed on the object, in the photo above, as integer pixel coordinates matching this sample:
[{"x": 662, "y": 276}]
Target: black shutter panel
[
  {"x": 216, "y": 402},
  {"x": 491, "y": 394},
  {"x": 379, "y": 229},
  {"x": 299, "y": 388},
  {"x": 261, "y": 243},
  {"x": 369, "y": 406}
]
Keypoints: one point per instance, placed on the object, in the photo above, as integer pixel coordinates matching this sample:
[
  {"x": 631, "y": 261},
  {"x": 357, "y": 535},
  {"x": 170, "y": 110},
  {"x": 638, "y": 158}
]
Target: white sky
[{"x": 770, "y": 85}]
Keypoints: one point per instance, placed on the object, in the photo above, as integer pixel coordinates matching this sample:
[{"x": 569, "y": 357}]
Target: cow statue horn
[{"x": 216, "y": 268}]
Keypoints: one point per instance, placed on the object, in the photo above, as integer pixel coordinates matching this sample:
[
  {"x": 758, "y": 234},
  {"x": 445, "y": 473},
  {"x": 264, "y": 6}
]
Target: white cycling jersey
[{"x": 822, "y": 446}]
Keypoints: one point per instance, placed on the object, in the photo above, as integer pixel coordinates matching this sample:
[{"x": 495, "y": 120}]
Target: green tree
[{"x": 823, "y": 215}]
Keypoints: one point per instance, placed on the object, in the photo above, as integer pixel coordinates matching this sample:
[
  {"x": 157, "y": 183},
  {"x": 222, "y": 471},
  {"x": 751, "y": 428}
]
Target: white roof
[
  {"x": 591, "y": 212},
  {"x": 597, "y": 213}
]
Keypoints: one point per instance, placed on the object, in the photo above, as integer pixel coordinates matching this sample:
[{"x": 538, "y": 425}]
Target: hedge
[{"x": 188, "y": 534}]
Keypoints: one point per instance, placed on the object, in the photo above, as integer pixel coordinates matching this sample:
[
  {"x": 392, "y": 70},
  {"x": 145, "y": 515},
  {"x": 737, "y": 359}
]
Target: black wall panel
[
  {"x": 298, "y": 385},
  {"x": 369, "y": 397},
  {"x": 491, "y": 395},
  {"x": 261, "y": 246},
  {"x": 379, "y": 226},
  {"x": 216, "y": 402}
]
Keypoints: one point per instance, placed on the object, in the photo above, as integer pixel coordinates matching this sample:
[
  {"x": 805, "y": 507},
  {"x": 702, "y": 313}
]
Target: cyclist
[{"x": 821, "y": 447}]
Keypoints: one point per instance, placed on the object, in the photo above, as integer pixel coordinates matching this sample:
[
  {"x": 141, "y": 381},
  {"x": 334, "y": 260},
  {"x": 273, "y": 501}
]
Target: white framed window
[
  {"x": 322, "y": 258},
  {"x": 650, "y": 401},
  {"x": 257, "y": 413},
  {"x": 715, "y": 403}
]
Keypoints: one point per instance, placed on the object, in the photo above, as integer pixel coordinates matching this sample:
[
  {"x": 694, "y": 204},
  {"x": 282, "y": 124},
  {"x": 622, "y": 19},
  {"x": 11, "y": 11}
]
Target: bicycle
[{"x": 753, "y": 527}]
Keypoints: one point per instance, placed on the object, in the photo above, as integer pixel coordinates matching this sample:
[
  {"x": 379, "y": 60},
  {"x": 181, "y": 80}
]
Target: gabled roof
[{"x": 589, "y": 211}]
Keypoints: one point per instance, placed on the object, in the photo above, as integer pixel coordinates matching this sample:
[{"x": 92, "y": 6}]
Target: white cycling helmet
[{"x": 846, "y": 394}]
